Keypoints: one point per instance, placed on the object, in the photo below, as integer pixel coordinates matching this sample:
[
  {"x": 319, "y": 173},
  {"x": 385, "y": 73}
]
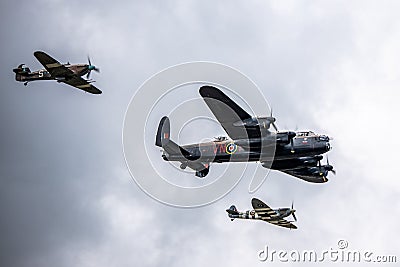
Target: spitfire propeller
[{"x": 90, "y": 68}]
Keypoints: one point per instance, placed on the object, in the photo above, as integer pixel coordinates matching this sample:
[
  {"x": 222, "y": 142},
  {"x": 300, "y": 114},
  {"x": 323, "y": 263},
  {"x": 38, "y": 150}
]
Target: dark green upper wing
[
  {"x": 82, "y": 84},
  {"x": 229, "y": 114},
  {"x": 55, "y": 68}
]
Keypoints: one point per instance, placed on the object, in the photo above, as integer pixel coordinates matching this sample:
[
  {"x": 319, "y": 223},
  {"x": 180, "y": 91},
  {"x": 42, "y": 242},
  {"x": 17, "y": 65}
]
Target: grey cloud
[{"x": 66, "y": 197}]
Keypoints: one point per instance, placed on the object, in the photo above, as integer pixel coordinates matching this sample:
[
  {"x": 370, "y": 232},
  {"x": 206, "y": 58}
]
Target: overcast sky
[{"x": 66, "y": 196}]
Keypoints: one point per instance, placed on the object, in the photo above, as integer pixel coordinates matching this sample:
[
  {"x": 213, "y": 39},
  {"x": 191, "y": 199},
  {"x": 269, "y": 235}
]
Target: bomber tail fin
[
  {"x": 163, "y": 132},
  {"x": 163, "y": 140}
]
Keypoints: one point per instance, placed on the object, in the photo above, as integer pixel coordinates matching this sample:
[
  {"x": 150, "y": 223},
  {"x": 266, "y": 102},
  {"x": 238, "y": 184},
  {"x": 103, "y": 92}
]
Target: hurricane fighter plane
[
  {"x": 54, "y": 70},
  {"x": 262, "y": 211},
  {"x": 298, "y": 154}
]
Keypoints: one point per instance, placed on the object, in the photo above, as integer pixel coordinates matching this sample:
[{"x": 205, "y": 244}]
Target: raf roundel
[{"x": 231, "y": 148}]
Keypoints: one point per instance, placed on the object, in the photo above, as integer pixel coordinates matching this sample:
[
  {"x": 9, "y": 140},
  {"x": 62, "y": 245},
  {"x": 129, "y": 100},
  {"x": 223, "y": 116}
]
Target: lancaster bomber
[
  {"x": 54, "y": 70},
  {"x": 298, "y": 154},
  {"x": 263, "y": 212}
]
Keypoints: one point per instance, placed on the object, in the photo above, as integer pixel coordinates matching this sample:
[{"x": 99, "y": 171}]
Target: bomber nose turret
[{"x": 327, "y": 146}]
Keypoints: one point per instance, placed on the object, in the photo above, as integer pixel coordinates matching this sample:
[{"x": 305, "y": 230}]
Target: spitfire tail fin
[{"x": 232, "y": 210}]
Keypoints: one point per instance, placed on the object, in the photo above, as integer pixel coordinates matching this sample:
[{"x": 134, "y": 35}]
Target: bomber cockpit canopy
[
  {"x": 305, "y": 134},
  {"x": 220, "y": 138}
]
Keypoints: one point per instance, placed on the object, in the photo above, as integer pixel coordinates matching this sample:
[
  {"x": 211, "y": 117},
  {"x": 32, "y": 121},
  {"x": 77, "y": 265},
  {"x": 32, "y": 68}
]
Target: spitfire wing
[
  {"x": 55, "y": 68},
  {"x": 283, "y": 223},
  {"x": 263, "y": 210},
  {"x": 269, "y": 215},
  {"x": 82, "y": 84},
  {"x": 228, "y": 113}
]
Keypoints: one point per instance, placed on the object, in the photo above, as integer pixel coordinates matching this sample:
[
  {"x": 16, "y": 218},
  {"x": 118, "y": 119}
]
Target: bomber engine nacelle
[
  {"x": 281, "y": 138},
  {"x": 284, "y": 137},
  {"x": 261, "y": 122}
]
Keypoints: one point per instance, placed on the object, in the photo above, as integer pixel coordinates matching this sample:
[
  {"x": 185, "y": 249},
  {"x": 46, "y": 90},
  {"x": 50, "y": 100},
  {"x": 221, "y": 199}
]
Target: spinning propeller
[
  {"x": 272, "y": 121},
  {"x": 326, "y": 167},
  {"x": 291, "y": 135},
  {"x": 329, "y": 167},
  {"x": 293, "y": 211},
  {"x": 90, "y": 68}
]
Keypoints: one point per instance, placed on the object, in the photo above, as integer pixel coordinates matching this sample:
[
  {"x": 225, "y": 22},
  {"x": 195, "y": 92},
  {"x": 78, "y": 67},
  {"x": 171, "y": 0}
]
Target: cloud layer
[{"x": 66, "y": 197}]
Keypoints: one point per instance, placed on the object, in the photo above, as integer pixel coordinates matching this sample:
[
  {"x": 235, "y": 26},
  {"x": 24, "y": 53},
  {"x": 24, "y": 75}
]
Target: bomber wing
[
  {"x": 269, "y": 215},
  {"x": 301, "y": 173},
  {"x": 55, "y": 68},
  {"x": 229, "y": 114}
]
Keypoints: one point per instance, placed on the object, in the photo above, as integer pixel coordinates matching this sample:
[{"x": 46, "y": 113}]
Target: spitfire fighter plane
[
  {"x": 298, "y": 154},
  {"x": 54, "y": 70},
  {"x": 262, "y": 211}
]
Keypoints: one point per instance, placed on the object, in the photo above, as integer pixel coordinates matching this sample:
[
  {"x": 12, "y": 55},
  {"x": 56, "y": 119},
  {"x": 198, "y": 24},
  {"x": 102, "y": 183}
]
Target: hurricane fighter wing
[
  {"x": 82, "y": 84},
  {"x": 229, "y": 114},
  {"x": 55, "y": 68}
]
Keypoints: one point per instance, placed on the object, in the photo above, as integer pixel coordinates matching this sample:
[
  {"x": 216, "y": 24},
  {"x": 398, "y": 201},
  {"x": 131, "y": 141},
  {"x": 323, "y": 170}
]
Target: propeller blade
[
  {"x": 91, "y": 67},
  {"x": 292, "y": 204},
  {"x": 294, "y": 217},
  {"x": 334, "y": 172},
  {"x": 319, "y": 168},
  {"x": 291, "y": 145},
  {"x": 273, "y": 124}
]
